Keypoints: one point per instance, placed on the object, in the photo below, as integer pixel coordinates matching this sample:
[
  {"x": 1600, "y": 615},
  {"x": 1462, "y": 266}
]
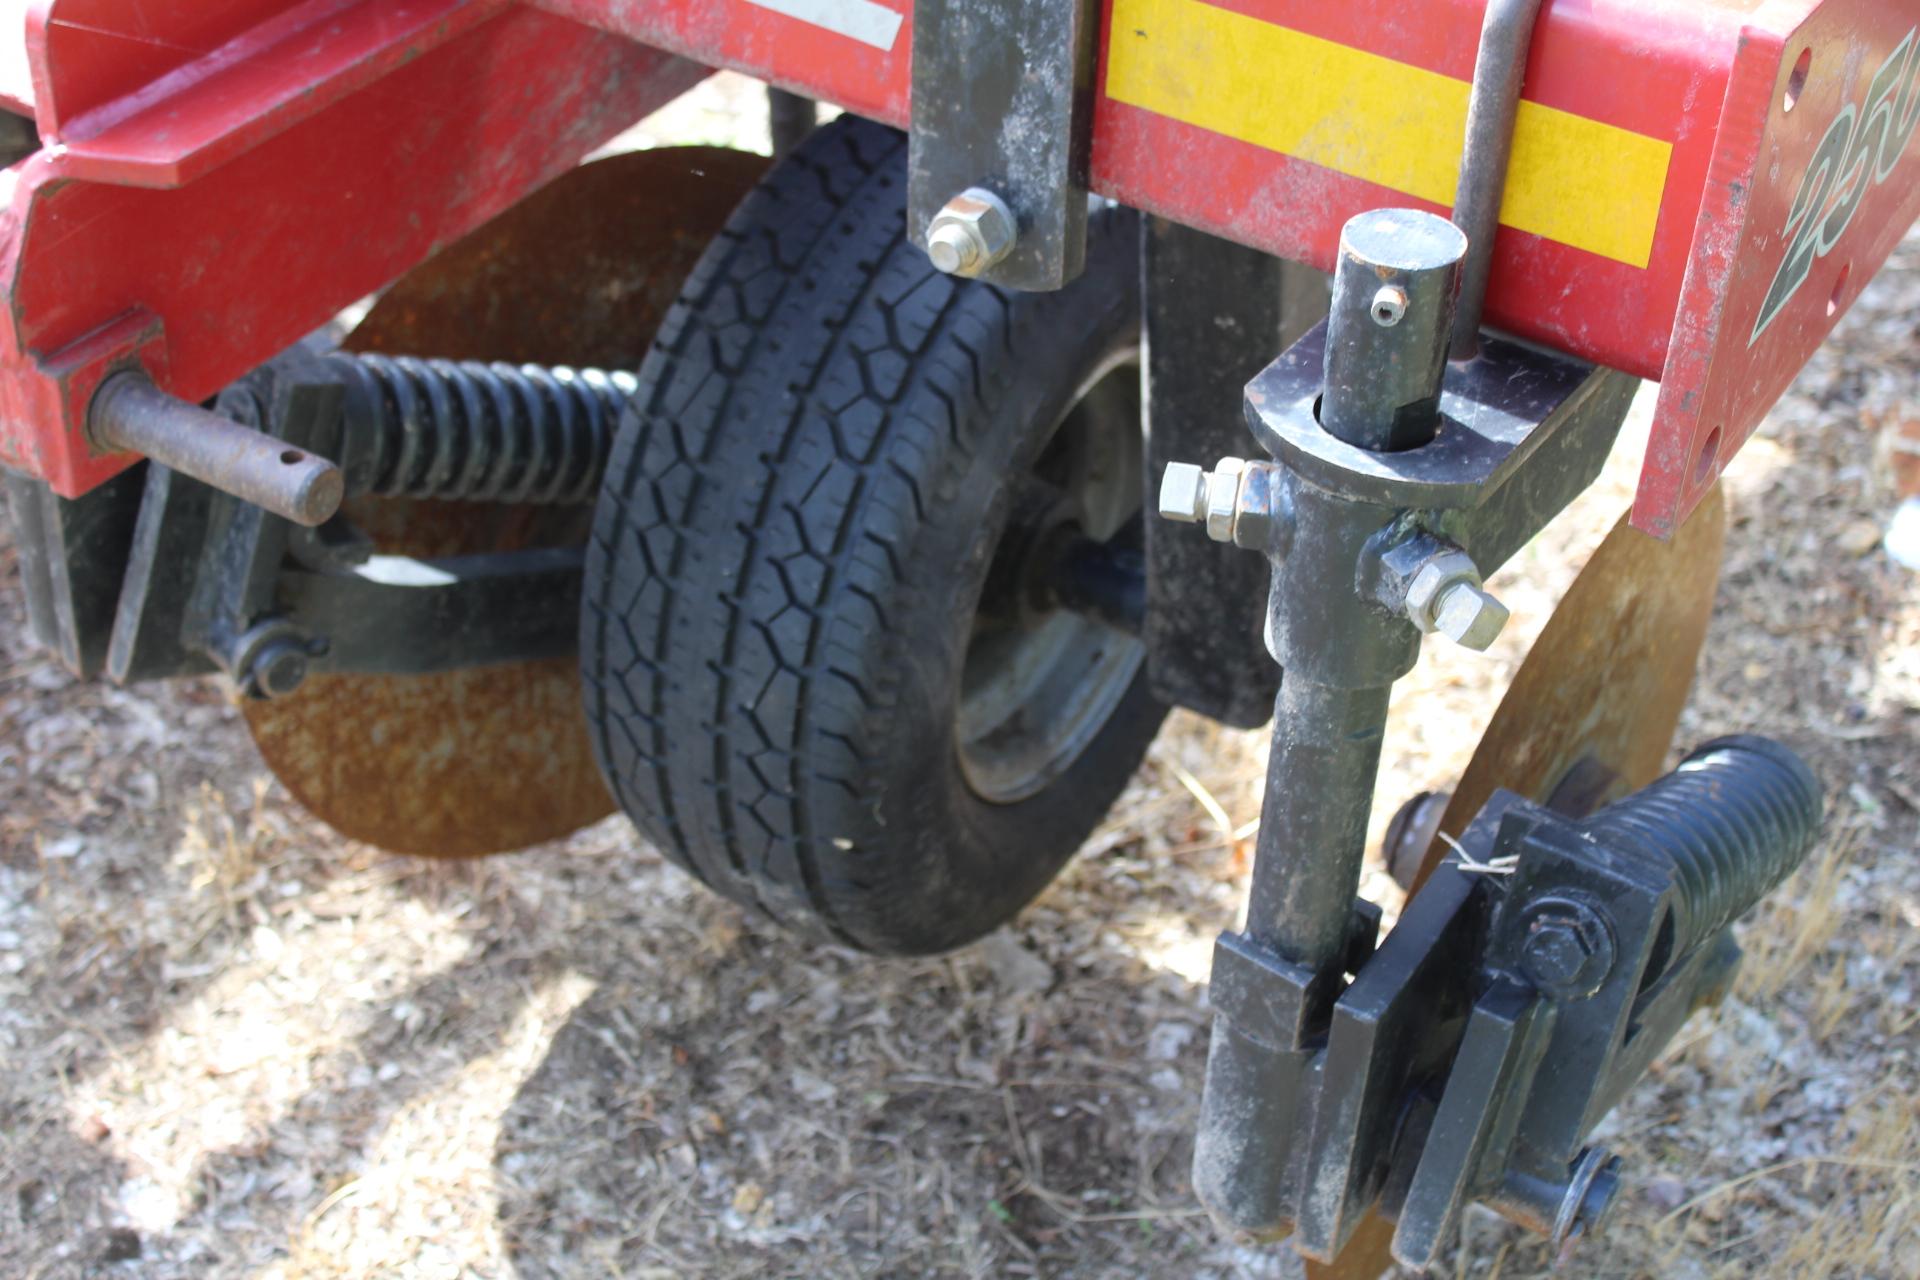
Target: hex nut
[
  {"x": 1567, "y": 950},
  {"x": 1262, "y": 511},
  {"x": 1223, "y": 498},
  {"x": 1183, "y": 493},
  {"x": 1431, "y": 581},
  {"x": 1470, "y": 617},
  {"x": 975, "y": 230}
]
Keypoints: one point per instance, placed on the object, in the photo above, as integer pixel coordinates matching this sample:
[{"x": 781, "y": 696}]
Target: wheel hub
[{"x": 1040, "y": 680}]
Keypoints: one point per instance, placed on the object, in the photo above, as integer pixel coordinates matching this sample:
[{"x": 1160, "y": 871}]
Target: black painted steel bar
[
  {"x": 1320, "y": 778},
  {"x": 1505, "y": 37},
  {"x": 1215, "y": 314}
]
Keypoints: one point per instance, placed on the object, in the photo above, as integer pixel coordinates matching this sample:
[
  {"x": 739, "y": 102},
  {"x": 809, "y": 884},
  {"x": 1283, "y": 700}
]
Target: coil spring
[
  {"x": 419, "y": 428},
  {"x": 1735, "y": 819}
]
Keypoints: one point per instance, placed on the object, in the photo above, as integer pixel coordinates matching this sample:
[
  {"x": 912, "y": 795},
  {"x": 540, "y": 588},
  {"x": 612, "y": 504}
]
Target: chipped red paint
[
  {"x": 294, "y": 155},
  {"x": 1720, "y": 380}
]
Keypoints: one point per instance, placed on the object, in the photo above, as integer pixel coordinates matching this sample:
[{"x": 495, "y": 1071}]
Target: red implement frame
[{"x": 1712, "y": 181}]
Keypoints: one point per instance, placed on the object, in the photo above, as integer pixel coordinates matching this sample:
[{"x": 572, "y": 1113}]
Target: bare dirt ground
[{"x": 236, "y": 1045}]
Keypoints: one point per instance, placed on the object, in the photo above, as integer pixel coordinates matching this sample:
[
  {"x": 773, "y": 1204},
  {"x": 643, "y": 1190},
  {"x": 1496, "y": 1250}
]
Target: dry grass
[{"x": 239, "y": 1046}]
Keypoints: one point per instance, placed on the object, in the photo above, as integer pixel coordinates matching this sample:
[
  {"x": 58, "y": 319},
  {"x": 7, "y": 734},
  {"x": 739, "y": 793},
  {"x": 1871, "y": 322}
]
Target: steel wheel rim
[{"x": 1038, "y": 684}]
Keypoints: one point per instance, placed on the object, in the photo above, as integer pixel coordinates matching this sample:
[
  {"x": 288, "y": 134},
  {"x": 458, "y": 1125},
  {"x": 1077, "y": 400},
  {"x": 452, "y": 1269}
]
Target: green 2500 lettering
[{"x": 1860, "y": 151}]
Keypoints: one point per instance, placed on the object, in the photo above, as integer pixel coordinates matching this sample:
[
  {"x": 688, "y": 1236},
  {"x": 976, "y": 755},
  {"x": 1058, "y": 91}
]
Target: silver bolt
[
  {"x": 1389, "y": 306},
  {"x": 952, "y": 250},
  {"x": 1183, "y": 493},
  {"x": 1445, "y": 596},
  {"x": 1470, "y": 617},
  {"x": 1238, "y": 501},
  {"x": 975, "y": 230},
  {"x": 1190, "y": 495}
]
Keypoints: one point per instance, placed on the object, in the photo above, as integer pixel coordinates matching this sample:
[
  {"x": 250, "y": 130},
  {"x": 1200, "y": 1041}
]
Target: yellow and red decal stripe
[{"x": 1575, "y": 180}]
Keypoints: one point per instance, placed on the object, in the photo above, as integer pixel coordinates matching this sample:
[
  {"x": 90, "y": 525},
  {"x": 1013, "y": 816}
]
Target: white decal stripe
[{"x": 861, "y": 20}]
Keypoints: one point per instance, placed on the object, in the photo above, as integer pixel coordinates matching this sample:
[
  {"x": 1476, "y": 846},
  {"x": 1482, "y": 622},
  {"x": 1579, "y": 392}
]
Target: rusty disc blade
[
  {"x": 1592, "y": 714},
  {"x": 495, "y": 758}
]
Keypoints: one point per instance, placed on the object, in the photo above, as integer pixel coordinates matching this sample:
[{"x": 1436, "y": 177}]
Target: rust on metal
[
  {"x": 1367, "y": 1256},
  {"x": 491, "y": 759},
  {"x": 1594, "y": 708},
  {"x": 129, "y": 414}
]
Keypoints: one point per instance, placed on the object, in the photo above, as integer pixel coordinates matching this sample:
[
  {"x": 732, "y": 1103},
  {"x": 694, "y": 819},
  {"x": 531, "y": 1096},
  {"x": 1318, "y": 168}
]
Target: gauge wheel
[{"x": 823, "y": 668}]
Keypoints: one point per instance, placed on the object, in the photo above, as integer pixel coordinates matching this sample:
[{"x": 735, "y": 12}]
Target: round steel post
[
  {"x": 1320, "y": 775},
  {"x": 1393, "y": 299},
  {"x": 1326, "y": 750},
  {"x": 129, "y": 413}
]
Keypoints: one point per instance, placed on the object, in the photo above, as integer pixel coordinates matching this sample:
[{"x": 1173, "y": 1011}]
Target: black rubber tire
[{"x": 797, "y": 521}]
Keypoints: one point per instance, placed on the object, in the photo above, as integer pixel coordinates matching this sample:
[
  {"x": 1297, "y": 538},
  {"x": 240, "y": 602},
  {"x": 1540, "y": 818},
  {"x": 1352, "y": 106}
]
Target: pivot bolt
[
  {"x": 272, "y": 658},
  {"x": 1445, "y": 595},
  {"x": 278, "y": 669},
  {"x": 1567, "y": 949},
  {"x": 975, "y": 230},
  {"x": 1191, "y": 495}
]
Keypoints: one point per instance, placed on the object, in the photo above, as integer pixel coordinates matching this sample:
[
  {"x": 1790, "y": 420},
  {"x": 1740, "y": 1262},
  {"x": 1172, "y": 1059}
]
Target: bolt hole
[
  {"x": 1797, "y": 82},
  {"x": 293, "y": 457},
  {"x": 1709, "y": 455},
  {"x": 1837, "y": 301}
]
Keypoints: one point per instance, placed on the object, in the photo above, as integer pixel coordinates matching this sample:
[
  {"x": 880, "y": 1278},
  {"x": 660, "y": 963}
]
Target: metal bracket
[
  {"x": 72, "y": 554},
  {"x": 398, "y": 616},
  {"x": 216, "y": 583},
  {"x": 1002, "y": 104},
  {"x": 1470, "y": 1056},
  {"x": 1215, "y": 312}
]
